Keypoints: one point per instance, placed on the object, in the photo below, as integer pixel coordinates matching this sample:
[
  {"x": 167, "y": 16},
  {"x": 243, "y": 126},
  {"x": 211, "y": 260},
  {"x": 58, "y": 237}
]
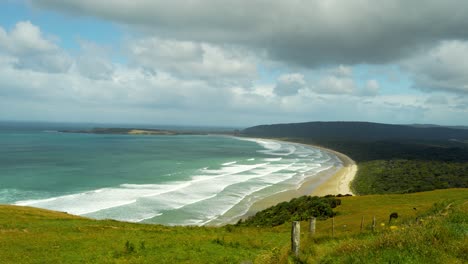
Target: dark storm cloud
[{"x": 306, "y": 33}]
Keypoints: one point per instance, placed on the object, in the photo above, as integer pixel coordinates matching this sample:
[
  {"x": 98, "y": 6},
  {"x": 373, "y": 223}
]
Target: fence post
[
  {"x": 362, "y": 222},
  {"x": 312, "y": 226},
  {"x": 295, "y": 237},
  {"x": 373, "y": 224}
]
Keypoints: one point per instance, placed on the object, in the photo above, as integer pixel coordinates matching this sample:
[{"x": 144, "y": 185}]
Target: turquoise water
[{"x": 175, "y": 180}]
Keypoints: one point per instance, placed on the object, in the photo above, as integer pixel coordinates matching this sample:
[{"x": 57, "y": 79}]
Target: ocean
[{"x": 171, "y": 180}]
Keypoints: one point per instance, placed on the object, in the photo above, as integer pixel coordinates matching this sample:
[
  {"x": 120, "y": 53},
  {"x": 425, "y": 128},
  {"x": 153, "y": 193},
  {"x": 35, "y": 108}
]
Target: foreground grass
[
  {"x": 435, "y": 234},
  {"x": 29, "y": 235}
]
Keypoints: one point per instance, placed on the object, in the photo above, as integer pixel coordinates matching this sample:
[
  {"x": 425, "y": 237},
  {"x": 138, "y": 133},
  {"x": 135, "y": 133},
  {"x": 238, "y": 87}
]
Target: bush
[{"x": 298, "y": 209}]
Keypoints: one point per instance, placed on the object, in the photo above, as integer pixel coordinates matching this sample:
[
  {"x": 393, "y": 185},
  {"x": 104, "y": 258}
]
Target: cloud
[
  {"x": 437, "y": 100},
  {"x": 25, "y": 39},
  {"x": 32, "y": 50},
  {"x": 94, "y": 61},
  {"x": 305, "y": 106},
  {"x": 306, "y": 33},
  {"x": 342, "y": 71},
  {"x": 193, "y": 60},
  {"x": 289, "y": 84},
  {"x": 338, "y": 81},
  {"x": 443, "y": 68},
  {"x": 333, "y": 84},
  {"x": 371, "y": 88},
  {"x": 167, "y": 76}
]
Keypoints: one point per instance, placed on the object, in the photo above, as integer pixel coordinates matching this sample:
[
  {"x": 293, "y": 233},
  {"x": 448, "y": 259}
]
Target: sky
[{"x": 234, "y": 63}]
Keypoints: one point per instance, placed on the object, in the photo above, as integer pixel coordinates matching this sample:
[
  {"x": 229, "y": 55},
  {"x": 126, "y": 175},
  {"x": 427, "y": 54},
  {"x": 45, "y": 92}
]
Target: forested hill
[
  {"x": 357, "y": 131},
  {"x": 391, "y": 158}
]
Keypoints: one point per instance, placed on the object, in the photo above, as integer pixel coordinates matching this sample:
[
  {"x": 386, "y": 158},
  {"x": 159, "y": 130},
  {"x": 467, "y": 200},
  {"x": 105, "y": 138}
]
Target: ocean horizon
[{"x": 171, "y": 180}]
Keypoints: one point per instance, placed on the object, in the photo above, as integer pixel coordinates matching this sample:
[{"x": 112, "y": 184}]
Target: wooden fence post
[
  {"x": 295, "y": 237},
  {"x": 312, "y": 226},
  {"x": 362, "y": 222},
  {"x": 373, "y": 224}
]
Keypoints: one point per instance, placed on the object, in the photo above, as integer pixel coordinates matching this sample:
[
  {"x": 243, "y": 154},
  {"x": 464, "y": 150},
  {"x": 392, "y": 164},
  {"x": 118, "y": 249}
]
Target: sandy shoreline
[
  {"x": 340, "y": 182},
  {"x": 331, "y": 181}
]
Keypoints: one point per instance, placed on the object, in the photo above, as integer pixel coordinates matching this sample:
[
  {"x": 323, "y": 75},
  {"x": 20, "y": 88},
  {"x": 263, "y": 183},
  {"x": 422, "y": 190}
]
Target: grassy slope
[
  {"x": 440, "y": 235},
  {"x": 29, "y": 235}
]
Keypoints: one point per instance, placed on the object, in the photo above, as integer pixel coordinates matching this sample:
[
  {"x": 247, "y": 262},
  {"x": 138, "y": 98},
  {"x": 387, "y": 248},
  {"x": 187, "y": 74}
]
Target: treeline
[
  {"x": 411, "y": 160},
  {"x": 406, "y": 176},
  {"x": 360, "y": 151},
  {"x": 298, "y": 209}
]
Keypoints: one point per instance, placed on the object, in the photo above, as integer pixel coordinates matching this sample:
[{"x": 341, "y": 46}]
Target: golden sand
[{"x": 319, "y": 185}]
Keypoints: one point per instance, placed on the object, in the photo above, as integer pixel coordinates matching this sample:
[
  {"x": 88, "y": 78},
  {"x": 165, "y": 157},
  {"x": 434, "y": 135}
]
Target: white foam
[
  {"x": 207, "y": 195},
  {"x": 272, "y": 159},
  {"x": 144, "y": 218},
  {"x": 229, "y": 163}
]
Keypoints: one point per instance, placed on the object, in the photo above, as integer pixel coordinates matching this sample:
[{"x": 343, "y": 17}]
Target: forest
[{"x": 389, "y": 160}]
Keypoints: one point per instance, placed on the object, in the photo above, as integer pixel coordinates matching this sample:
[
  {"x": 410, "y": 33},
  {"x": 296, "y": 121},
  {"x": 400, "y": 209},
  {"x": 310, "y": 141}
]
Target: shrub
[{"x": 298, "y": 209}]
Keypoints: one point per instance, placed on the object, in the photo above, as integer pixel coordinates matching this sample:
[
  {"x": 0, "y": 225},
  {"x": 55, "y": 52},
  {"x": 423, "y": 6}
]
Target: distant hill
[
  {"x": 431, "y": 125},
  {"x": 357, "y": 131}
]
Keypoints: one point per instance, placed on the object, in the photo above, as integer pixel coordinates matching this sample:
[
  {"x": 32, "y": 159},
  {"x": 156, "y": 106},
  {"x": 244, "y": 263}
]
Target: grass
[
  {"x": 437, "y": 239},
  {"x": 29, "y": 235}
]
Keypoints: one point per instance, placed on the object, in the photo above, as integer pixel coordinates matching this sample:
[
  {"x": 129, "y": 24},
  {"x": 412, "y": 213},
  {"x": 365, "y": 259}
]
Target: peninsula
[{"x": 133, "y": 131}]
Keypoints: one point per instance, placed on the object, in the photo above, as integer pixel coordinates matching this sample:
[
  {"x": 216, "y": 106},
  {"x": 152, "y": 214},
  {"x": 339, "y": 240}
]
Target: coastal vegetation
[
  {"x": 298, "y": 209},
  {"x": 431, "y": 228},
  {"x": 391, "y": 158},
  {"x": 405, "y": 176}
]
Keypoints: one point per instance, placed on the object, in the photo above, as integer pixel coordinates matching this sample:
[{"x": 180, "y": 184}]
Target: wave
[
  {"x": 206, "y": 195},
  {"x": 229, "y": 163},
  {"x": 272, "y": 159}
]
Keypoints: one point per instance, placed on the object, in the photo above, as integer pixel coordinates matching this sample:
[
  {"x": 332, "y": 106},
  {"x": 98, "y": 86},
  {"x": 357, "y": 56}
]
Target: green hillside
[{"x": 29, "y": 235}]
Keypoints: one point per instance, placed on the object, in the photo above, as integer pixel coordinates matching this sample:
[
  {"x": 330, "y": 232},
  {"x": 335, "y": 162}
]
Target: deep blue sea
[{"x": 173, "y": 180}]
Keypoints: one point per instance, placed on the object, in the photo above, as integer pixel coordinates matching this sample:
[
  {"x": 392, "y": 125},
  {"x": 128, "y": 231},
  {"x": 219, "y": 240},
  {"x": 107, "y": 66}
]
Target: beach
[
  {"x": 340, "y": 182},
  {"x": 332, "y": 181}
]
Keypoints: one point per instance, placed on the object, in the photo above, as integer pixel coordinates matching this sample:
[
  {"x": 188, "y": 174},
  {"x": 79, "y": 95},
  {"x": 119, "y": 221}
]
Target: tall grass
[
  {"x": 439, "y": 236},
  {"x": 29, "y": 235}
]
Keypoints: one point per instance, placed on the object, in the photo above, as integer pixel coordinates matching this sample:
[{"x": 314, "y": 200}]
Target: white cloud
[
  {"x": 32, "y": 50},
  {"x": 194, "y": 60},
  {"x": 25, "y": 39},
  {"x": 443, "y": 68},
  {"x": 335, "y": 81},
  {"x": 332, "y": 84},
  {"x": 371, "y": 88}
]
